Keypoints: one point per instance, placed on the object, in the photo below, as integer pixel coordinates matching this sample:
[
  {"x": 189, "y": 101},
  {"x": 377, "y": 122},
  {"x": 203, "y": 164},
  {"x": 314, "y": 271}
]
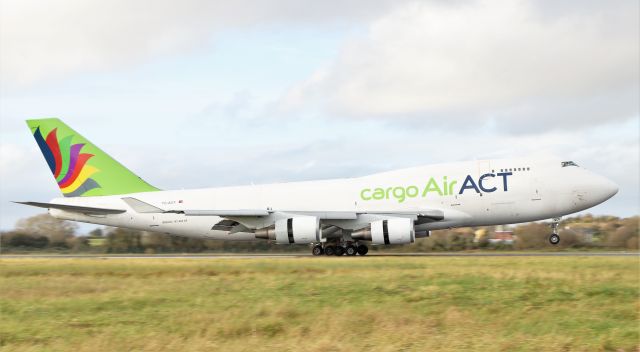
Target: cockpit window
[{"x": 568, "y": 163}]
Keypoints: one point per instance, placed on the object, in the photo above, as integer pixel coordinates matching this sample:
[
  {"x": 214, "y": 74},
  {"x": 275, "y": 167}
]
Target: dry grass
[{"x": 320, "y": 304}]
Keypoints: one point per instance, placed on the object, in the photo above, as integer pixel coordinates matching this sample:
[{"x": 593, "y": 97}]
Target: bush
[
  {"x": 625, "y": 236},
  {"x": 532, "y": 236},
  {"x": 29, "y": 241}
]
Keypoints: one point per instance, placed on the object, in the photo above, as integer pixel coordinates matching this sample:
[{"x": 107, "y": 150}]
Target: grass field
[{"x": 321, "y": 304}]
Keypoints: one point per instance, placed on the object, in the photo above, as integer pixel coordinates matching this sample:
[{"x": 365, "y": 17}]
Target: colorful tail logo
[{"x": 68, "y": 165}]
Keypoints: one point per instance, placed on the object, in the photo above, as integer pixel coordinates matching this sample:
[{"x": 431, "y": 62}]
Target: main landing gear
[
  {"x": 349, "y": 249},
  {"x": 554, "y": 239},
  {"x": 317, "y": 250}
]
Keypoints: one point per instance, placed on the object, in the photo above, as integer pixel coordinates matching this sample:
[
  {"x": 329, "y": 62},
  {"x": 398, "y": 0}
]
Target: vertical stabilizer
[{"x": 78, "y": 166}]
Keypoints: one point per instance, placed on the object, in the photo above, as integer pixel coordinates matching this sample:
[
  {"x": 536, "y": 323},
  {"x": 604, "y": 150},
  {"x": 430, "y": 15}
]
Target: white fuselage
[{"x": 473, "y": 193}]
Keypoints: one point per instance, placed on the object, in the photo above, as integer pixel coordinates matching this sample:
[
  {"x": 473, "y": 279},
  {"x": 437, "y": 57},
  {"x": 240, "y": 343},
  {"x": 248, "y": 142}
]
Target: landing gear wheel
[
  {"x": 362, "y": 249},
  {"x": 339, "y": 251},
  {"x": 351, "y": 250},
  {"x": 317, "y": 250},
  {"x": 330, "y": 250},
  {"x": 554, "y": 239}
]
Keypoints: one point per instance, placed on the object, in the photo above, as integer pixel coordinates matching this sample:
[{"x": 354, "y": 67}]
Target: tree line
[
  {"x": 45, "y": 233},
  {"x": 580, "y": 232}
]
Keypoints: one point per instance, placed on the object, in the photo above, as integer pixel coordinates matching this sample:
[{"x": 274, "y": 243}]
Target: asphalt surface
[{"x": 303, "y": 255}]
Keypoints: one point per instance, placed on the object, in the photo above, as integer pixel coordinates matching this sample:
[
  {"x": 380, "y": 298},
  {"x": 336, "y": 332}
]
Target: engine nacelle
[
  {"x": 300, "y": 229},
  {"x": 391, "y": 231}
]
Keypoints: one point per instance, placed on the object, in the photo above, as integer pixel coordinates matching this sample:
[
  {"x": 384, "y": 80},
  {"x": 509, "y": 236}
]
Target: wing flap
[{"x": 325, "y": 215}]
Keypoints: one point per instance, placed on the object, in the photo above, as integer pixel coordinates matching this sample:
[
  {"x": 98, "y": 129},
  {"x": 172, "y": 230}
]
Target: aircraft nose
[
  {"x": 590, "y": 189},
  {"x": 609, "y": 188},
  {"x": 602, "y": 188}
]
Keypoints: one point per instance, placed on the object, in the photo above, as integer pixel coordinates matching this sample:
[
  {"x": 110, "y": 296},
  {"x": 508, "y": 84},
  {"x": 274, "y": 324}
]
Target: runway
[{"x": 304, "y": 255}]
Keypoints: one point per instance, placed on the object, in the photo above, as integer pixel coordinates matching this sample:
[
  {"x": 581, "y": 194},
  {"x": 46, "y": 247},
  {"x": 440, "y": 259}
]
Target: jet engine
[
  {"x": 391, "y": 231},
  {"x": 299, "y": 229}
]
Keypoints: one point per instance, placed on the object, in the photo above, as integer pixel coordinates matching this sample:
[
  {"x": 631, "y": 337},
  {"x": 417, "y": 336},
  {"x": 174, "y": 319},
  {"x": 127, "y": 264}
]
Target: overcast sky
[{"x": 201, "y": 93}]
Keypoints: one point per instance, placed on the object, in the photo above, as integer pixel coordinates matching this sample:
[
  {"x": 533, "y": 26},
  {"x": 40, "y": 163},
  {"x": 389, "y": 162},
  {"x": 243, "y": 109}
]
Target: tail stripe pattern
[
  {"x": 81, "y": 179},
  {"x": 52, "y": 142},
  {"x": 65, "y": 159},
  {"x": 65, "y": 150},
  {"x": 44, "y": 148},
  {"x": 74, "y": 151},
  {"x": 80, "y": 168}
]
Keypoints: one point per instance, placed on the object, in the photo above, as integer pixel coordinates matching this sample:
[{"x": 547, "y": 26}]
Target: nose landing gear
[{"x": 554, "y": 239}]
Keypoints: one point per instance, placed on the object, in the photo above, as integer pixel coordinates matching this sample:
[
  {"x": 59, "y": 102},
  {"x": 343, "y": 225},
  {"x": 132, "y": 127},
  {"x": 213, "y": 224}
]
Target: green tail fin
[{"x": 80, "y": 168}]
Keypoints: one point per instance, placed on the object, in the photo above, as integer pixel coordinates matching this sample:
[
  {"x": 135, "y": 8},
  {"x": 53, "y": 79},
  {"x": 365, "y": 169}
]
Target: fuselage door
[
  {"x": 487, "y": 182},
  {"x": 536, "y": 189}
]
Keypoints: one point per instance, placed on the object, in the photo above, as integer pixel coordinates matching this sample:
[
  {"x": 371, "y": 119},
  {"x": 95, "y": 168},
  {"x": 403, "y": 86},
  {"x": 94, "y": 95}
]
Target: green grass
[{"x": 321, "y": 304}]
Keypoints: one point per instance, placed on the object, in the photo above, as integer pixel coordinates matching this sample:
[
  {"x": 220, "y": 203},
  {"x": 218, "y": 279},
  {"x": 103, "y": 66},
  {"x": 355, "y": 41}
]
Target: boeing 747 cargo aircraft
[{"x": 334, "y": 217}]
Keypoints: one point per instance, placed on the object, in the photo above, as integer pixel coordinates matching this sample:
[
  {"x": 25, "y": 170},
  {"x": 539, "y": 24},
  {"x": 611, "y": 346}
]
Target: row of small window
[{"x": 513, "y": 169}]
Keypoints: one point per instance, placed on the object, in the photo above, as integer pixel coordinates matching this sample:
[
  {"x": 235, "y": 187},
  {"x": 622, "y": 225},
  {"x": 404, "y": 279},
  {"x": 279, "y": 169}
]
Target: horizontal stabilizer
[
  {"x": 140, "y": 206},
  {"x": 74, "y": 208}
]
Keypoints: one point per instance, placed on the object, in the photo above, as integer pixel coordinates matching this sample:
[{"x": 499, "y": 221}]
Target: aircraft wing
[
  {"x": 322, "y": 215},
  {"x": 142, "y": 207},
  {"x": 240, "y": 220},
  {"x": 222, "y": 213},
  {"x": 244, "y": 221}
]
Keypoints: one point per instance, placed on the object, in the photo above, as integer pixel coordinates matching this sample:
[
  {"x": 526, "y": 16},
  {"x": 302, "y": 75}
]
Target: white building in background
[{"x": 502, "y": 235}]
